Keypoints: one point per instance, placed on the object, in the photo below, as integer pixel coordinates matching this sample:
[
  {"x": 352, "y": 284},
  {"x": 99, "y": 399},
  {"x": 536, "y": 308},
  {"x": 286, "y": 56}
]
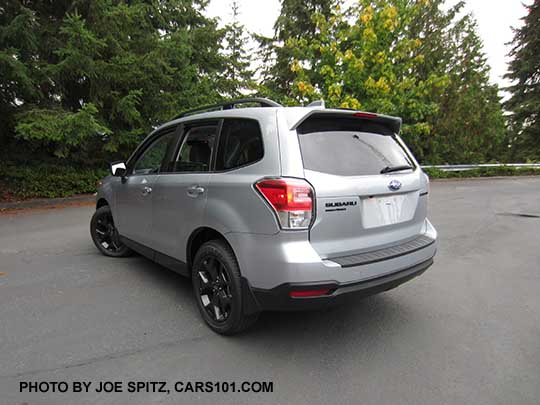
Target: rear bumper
[
  {"x": 274, "y": 265},
  {"x": 269, "y": 261},
  {"x": 279, "y": 299}
]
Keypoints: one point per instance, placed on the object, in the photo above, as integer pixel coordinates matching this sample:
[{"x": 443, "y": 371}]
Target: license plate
[{"x": 387, "y": 210}]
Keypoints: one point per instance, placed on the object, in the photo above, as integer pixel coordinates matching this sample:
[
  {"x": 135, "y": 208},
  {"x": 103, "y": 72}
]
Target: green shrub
[
  {"x": 482, "y": 172},
  {"x": 52, "y": 181},
  {"x": 48, "y": 181}
]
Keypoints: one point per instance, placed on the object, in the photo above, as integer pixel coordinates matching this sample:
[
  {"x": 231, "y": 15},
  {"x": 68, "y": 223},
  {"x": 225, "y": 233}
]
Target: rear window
[{"x": 349, "y": 147}]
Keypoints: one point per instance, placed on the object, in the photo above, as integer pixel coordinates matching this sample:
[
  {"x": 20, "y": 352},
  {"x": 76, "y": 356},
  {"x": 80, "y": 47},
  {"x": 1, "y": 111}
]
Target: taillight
[{"x": 291, "y": 199}]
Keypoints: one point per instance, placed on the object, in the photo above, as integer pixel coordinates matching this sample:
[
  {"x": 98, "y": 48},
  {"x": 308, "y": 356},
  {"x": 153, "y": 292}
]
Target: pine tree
[
  {"x": 524, "y": 71},
  {"x": 468, "y": 125},
  {"x": 238, "y": 75}
]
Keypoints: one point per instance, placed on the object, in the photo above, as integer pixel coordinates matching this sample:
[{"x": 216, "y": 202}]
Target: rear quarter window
[
  {"x": 240, "y": 144},
  {"x": 349, "y": 147}
]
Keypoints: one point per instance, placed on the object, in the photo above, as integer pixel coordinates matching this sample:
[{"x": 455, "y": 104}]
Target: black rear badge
[{"x": 339, "y": 205}]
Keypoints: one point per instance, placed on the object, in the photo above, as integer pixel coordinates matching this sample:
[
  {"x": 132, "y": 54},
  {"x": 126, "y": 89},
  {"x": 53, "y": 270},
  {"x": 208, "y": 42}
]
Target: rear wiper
[{"x": 389, "y": 169}]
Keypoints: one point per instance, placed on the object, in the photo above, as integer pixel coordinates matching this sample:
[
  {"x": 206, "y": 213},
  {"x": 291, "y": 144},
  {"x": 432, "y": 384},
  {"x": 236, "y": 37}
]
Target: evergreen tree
[
  {"x": 87, "y": 79},
  {"x": 238, "y": 75},
  {"x": 524, "y": 71},
  {"x": 469, "y": 125}
]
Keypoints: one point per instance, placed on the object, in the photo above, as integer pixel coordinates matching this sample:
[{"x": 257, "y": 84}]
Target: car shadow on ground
[{"x": 355, "y": 319}]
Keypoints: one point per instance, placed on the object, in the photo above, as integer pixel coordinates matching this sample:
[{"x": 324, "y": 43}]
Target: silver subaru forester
[{"x": 268, "y": 207}]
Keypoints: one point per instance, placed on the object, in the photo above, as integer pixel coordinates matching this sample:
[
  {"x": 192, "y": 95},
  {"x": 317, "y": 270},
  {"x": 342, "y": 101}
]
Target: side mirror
[{"x": 118, "y": 169}]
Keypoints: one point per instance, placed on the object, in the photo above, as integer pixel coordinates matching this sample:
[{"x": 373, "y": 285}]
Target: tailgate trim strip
[{"x": 378, "y": 255}]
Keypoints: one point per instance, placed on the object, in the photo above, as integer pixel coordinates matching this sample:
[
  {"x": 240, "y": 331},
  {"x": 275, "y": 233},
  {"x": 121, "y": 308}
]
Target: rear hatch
[{"x": 369, "y": 192}]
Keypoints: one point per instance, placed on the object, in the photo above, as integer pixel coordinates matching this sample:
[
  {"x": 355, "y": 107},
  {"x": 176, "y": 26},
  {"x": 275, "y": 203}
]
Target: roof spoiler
[{"x": 392, "y": 123}]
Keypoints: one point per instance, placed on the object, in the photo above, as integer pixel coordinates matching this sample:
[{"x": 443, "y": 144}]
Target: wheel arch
[
  {"x": 101, "y": 202},
  {"x": 200, "y": 236},
  {"x": 204, "y": 234}
]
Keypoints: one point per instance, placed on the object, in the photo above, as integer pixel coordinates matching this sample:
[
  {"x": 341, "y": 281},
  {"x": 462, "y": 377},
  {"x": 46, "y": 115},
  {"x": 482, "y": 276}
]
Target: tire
[
  {"x": 222, "y": 288},
  {"x": 105, "y": 235}
]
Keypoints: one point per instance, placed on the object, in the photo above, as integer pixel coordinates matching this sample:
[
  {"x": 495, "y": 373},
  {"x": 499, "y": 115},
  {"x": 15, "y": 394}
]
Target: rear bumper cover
[
  {"x": 268, "y": 261},
  {"x": 278, "y": 298}
]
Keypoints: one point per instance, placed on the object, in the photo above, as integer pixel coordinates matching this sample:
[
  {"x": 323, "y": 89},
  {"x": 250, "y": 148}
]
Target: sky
[{"x": 495, "y": 19}]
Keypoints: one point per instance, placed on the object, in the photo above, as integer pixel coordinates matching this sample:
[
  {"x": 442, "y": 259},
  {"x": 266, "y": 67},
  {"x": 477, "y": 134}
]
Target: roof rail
[{"x": 227, "y": 105}]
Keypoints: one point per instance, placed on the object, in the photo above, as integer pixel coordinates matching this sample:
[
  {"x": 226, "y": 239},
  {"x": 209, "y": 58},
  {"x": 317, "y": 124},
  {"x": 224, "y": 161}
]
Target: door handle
[
  {"x": 146, "y": 190},
  {"x": 195, "y": 191}
]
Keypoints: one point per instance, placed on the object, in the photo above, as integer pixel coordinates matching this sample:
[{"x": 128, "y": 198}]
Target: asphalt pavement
[{"x": 466, "y": 332}]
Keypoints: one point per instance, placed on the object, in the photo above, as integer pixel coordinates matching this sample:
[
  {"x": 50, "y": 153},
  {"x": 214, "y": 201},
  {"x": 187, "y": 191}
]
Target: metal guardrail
[{"x": 457, "y": 168}]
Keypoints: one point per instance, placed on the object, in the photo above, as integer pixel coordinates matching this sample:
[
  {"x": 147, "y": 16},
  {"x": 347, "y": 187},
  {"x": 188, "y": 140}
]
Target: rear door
[
  {"x": 181, "y": 191},
  {"x": 369, "y": 190}
]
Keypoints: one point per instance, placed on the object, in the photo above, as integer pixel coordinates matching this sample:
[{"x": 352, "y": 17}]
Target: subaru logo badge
[{"x": 394, "y": 185}]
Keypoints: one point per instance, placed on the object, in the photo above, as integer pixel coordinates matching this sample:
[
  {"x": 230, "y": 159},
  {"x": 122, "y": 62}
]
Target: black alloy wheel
[
  {"x": 218, "y": 288},
  {"x": 214, "y": 289},
  {"x": 105, "y": 235}
]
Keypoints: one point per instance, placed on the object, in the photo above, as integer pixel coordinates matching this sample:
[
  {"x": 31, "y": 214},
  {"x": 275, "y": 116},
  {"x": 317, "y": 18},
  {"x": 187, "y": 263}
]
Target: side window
[
  {"x": 196, "y": 149},
  {"x": 150, "y": 160},
  {"x": 240, "y": 144}
]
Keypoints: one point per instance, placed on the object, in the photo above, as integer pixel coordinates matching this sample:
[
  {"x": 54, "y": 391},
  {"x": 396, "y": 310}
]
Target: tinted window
[
  {"x": 349, "y": 147},
  {"x": 196, "y": 149},
  {"x": 151, "y": 159},
  {"x": 240, "y": 144}
]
